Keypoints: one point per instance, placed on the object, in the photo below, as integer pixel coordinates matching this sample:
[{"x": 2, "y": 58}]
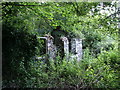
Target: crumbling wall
[
  {"x": 66, "y": 46},
  {"x": 76, "y": 47},
  {"x": 50, "y": 47}
]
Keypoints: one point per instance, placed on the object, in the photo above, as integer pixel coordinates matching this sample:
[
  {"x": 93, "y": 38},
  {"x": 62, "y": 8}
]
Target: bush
[
  {"x": 100, "y": 71},
  {"x": 19, "y": 46},
  {"x": 88, "y": 73}
]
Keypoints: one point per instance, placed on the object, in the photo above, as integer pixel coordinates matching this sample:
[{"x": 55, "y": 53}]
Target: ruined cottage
[{"x": 58, "y": 43}]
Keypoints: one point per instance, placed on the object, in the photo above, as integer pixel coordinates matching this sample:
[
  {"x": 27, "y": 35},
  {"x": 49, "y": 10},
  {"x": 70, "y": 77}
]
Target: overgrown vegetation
[{"x": 23, "y": 22}]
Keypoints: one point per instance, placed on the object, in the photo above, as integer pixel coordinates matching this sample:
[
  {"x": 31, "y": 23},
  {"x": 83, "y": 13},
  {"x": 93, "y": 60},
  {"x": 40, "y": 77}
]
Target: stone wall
[
  {"x": 76, "y": 47},
  {"x": 66, "y": 46},
  {"x": 50, "y": 47}
]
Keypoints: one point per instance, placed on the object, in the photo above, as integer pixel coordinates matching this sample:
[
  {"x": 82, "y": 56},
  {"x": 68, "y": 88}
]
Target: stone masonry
[{"x": 76, "y": 47}]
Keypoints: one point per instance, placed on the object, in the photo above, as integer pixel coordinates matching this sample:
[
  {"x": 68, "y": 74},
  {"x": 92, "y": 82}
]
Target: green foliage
[
  {"x": 90, "y": 72},
  {"x": 23, "y": 22},
  {"x": 19, "y": 43},
  {"x": 102, "y": 68}
]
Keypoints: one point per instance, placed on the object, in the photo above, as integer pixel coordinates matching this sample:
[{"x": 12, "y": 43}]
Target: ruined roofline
[{"x": 75, "y": 43}]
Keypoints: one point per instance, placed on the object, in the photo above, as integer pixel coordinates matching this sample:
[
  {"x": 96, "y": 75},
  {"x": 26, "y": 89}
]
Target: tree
[{"x": 23, "y": 22}]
